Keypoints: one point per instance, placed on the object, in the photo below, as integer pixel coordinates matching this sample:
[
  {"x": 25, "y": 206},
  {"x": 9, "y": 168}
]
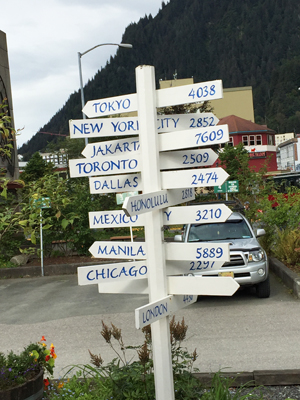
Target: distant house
[{"x": 258, "y": 140}]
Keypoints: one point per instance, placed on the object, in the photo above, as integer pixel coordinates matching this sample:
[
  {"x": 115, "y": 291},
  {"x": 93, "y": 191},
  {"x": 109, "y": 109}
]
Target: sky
[{"x": 43, "y": 40}]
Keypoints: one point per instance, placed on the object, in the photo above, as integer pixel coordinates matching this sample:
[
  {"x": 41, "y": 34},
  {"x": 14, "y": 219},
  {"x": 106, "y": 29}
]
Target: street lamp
[{"x": 126, "y": 45}]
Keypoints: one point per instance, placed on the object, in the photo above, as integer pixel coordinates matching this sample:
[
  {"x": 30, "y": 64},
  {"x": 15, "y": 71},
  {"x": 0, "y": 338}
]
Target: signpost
[{"x": 161, "y": 190}]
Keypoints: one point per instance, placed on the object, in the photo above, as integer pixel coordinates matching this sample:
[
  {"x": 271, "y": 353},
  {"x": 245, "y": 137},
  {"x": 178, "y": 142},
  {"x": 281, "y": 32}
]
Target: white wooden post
[{"x": 157, "y": 277}]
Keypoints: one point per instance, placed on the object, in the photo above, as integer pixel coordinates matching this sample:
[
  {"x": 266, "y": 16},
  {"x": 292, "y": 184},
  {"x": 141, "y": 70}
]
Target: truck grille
[{"x": 236, "y": 260}]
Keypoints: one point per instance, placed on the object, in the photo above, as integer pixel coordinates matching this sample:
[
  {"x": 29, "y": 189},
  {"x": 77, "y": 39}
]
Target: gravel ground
[{"x": 291, "y": 392}]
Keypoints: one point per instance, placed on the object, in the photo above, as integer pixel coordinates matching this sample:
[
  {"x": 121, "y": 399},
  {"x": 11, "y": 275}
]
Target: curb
[
  {"x": 288, "y": 277},
  {"x": 256, "y": 378}
]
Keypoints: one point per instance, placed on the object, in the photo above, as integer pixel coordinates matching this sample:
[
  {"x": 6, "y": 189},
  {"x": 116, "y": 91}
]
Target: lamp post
[{"x": 126, "y": 45}]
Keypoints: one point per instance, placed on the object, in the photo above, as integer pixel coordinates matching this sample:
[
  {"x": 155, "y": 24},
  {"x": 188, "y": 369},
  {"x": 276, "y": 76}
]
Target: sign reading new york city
[{"x": 166, "y": 168}]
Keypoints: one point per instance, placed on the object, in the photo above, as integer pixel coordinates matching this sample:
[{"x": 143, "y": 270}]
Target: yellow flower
[{"x": 60, "y": 385}]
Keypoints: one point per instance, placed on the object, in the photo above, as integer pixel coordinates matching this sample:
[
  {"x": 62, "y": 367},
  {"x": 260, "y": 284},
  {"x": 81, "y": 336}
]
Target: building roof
[{"x": 241, "y": 125}]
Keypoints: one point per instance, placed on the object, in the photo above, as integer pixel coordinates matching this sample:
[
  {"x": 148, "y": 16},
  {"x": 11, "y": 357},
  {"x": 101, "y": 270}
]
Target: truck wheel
[{"x": 263, "y": 289}]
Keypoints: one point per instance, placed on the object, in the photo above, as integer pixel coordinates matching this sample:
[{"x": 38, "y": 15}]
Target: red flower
[
  {"x": 46, "y": 383},
  {"x": 43, "y": 339},
  {"x": 47, "y": 358}
]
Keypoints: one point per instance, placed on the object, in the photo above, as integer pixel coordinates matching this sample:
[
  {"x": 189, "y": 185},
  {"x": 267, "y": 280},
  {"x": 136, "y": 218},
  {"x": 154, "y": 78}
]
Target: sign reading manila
[
  {"x": 143, "y": 203},
  {"x": 196, "y": 214},
  {"x": 104, "y": 166},
  {"x": 121, "y": 250},
  {"x": 193, "y": 178},
  {"x": 115, "y": 183}
]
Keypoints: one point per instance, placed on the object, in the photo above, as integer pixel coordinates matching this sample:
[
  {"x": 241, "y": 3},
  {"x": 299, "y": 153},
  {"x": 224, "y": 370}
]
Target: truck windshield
[{"x": 232, "y": 229}]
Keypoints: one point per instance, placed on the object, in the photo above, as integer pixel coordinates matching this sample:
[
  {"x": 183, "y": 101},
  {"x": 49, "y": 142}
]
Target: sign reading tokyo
[
  {"x": 193, "y": 138},
  {"x": 111, "y": 106},
  {"x": 116, "y": 183},
  {"x": 106, "y": 166},
  {"x": 199, "y": 214},
  {"x": 114, "y": 219},
  {"x": 143, "y": 203}
]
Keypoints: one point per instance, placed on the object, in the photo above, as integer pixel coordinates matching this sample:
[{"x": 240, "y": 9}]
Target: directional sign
[
  {"x": 106, "y": 166},
  {"x": 115, "y": 183},
  {"x": 204, "y": 286},
  {"x": 193, "y": 138},
  {"x": 181, "y": 267},
  {"x": 92, "y": 274},
  {"x": 121, "y": 250},
  {"x": 137, "y": 286},
  {"x": 198, "y": 214},
  {"x": 193, "y": 93},
  {"x": 152, "y": 312},
  {"x": 179, "y": 122},
  {"x": 111, "y": 147},
  {"x": 200, "y": 251},
  {"x": 193, "y": 178},
  {"x": 111, "y": 105},
  {"x": 187, "y": 159},
  {"x": 114, "y": 219},
  {"x": 90, "y": 128},
  {"x": 143, "y": 203}
]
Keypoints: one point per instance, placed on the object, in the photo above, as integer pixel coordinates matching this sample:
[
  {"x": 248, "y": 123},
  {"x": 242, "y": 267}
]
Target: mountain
[{"x": 245, "y": 43}]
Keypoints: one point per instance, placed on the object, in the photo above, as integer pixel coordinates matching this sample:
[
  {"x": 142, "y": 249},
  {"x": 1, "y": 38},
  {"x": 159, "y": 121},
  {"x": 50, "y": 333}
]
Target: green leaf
[
  {"x": 64, "y": 223},
  {"x": 33, "y": 238}
]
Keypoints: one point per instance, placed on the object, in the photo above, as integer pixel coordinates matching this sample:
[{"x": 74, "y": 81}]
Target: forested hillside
[{"x": 245, "y": 43}]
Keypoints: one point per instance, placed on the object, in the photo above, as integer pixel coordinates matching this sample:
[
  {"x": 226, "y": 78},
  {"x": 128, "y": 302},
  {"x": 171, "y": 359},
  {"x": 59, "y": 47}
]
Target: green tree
[{"x": 36, "y": 168}]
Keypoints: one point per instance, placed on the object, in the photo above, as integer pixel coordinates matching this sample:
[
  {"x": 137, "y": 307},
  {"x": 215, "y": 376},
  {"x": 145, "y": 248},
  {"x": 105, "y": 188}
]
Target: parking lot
[{"x": 239, "y": 333}]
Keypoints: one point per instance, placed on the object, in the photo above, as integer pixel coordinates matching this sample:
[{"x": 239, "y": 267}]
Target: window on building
[
  {"x": 245, "y": 140},
  {"x": 252, "y": 140},
  {"x": 271, "y": 141},
  {"x": 258, "y": 140},
  {"x": 230, "y": 142}
]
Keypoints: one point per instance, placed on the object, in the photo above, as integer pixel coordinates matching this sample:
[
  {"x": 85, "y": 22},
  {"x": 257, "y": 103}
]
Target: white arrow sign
[
  {"x": 187, "y": 159},
  {"x": 193, "y": 93},
  {"x": 200, "y": 251},
  {"x": 104, "y": 166},
  {"x": 114, "y": 219},
  {"x": 92, "y": 274},
  {"x": 90, "y": 128},
  {"x": 111, "y": 147},
  {"x": 120, "y": 250},
  {"x": 116, "y": 183},
  {"x": 175, "y": 267},
  {"x": 177, "y": 285},
  {"x": 193, "y": 178},
  {"x": 111, "y": 105},
  {"x": 138, "y": 286},
  {"x": 193, "y": 138},
  {"x": 152, "y": 312},
  {"x": 143, "y": 203},
  {"x": 198, "y": 214},
  {"x": 203, "y": 286}
]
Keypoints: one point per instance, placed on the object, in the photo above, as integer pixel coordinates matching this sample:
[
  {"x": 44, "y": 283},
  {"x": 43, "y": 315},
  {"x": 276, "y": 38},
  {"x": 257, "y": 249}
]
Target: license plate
[{"x": 228, "y": 273}]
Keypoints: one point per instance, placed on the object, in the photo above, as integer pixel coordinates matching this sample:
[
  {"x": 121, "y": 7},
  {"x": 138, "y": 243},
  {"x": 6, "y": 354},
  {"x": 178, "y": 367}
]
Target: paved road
[{"x": 240, "y": 333}]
